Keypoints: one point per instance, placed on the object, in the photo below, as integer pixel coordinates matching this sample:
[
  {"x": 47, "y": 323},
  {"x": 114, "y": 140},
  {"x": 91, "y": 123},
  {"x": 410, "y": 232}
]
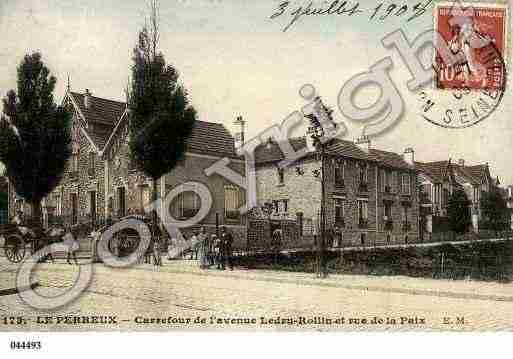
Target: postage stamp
[
  {"x": 469, "y": 63},
  {"x": 477, "y": 35}
]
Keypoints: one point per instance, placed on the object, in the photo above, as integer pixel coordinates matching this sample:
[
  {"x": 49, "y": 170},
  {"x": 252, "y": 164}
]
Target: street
[{"x": 181, "y": 296}]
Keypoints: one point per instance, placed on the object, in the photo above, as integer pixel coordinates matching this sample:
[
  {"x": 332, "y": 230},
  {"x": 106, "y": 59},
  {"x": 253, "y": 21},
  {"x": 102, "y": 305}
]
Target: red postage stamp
[{"x": 476, "y": 35}]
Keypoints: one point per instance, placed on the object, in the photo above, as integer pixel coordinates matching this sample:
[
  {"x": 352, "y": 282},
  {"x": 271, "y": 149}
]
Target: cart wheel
[{"x": 15, "y": 248}]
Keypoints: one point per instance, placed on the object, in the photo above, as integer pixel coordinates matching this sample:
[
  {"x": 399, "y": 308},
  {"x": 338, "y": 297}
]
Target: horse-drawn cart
[
  {"x": 15, "y": 242},
  {"x": 18, "y": 237}
]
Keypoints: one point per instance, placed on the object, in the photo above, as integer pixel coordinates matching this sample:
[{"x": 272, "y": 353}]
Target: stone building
[
  {"x": 437, "y": 182},
  {"x": 100, "y": 181},
  {"x": 371, "y": 195}
]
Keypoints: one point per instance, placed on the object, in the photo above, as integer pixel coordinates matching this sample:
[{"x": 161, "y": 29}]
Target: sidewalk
[{"x": 463, "y": 289}]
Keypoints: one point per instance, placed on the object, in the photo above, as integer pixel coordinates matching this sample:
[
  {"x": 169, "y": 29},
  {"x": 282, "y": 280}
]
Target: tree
[
  {"x": 34, "y": 134},
  {"x": 458, "y": 211},
  {"x": 494, "y": 210},
  {"x": 161, "y": 118}
]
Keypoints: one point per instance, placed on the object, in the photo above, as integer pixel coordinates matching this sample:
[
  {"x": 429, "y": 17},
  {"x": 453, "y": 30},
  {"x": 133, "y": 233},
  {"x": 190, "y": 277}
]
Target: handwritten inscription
[{"x": 379, "y": 12}]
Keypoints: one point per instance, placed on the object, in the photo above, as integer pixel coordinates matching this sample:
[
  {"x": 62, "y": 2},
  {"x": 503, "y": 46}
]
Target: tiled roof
[
  {"x": 390, "y": 159},
  {"x": 272, "y": 153},
  {"x": 101, "y": 110},
  {"x": 269, "y": 154},
  {"x": 207, "y": 138},
  {"x": 436, "y": 170},
  {"x": 477, "y": 171},
  {"x": 211, "y": 138},
  {"x": 101, "y": 116}
]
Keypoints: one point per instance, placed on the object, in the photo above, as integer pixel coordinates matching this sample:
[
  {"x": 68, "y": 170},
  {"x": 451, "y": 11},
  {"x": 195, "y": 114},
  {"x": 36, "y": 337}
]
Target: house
[
  {"x": 508, "y": 196},
  {"x": 370, "y": 194},
  {"x": 437, "y": 182},
  {"x": 101, "y": 182}
]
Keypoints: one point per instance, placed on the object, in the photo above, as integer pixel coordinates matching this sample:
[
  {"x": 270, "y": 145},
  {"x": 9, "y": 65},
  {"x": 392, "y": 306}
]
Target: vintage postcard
[{"x": 222, "y": 165}]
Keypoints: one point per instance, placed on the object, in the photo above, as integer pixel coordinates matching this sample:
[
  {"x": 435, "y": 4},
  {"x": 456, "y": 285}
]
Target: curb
[
  {"x": 12, "y": 291},
  {"x": 371, "y": 288}
]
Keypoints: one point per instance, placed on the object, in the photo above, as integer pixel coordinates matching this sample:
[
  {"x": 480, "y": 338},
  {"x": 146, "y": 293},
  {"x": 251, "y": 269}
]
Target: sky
[{"x": 235, "y": 60}]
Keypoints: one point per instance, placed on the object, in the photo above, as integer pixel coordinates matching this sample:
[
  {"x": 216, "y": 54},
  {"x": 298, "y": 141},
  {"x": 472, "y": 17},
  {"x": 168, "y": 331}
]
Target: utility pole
[{"x": 320, "y": 118}]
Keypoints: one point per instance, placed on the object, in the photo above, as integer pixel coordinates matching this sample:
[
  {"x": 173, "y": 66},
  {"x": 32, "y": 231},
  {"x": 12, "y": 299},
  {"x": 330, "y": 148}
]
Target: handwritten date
[{"x": 380, "y": 12}]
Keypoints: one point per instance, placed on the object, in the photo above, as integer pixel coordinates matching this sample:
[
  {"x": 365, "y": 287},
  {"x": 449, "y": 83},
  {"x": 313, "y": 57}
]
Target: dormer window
[
  {"x": 74, "y": 157},
  {"x": 91, "y": 166}
]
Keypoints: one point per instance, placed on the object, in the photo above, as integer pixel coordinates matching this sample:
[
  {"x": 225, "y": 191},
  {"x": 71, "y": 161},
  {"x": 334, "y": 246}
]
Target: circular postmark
[{"x": 470, "y": 80}]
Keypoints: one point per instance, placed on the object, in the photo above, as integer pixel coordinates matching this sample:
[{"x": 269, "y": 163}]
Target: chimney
[
  {"x": 363, "y": 143},
  {"x": 87, "y": 99},
  {"x": 461, "y": 162},
  {"x": 409, "y": 156},
  {"x": 239, "y": 132}
]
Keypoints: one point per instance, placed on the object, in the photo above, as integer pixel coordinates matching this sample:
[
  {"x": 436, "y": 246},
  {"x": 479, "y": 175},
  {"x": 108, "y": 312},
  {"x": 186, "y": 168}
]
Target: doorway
[
  {"x": 92, "y": 206},
  {"x": 121, "y": 201}
]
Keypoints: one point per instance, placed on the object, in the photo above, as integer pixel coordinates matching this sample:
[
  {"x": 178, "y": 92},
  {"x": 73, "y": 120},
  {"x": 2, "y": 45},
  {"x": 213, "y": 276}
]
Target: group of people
[{"x": 214, "y": 250}]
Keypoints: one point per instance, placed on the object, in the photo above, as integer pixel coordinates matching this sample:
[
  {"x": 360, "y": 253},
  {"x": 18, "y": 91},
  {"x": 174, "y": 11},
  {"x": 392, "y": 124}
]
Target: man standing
[{"x": 227, "y": 243}]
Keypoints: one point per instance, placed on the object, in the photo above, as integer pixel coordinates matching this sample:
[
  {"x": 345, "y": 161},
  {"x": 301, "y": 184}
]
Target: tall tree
[
  {"x": 494, "y": 210},
  {"x": 458, "y": 211},
  {"x": 161, "y": 118},
  {"x": 34, "y": 134}
]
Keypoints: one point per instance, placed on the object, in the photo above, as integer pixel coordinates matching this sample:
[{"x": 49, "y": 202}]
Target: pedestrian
[
  {"x": 172, "y": 249},
  {"x": 204, "y": 240},
  {"x": 194, "y": 246},
  {"x": 216, "y": 246},
  {"x": 157, "y": 246},
  {"x": 72, "y": 244},
  {"x": 149, "y": 251},
  {"x": 227, "y": 245},
  {"x": 211, "y": 250},
  {"x": 157, "y": 256},
  {"x": 18, "y": 218}
]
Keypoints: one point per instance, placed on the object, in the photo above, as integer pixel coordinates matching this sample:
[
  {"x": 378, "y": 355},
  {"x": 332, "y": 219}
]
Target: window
[
  {"x": 386, "y": 181},
  {"x": 362, "y": 176},
  {"x": 395, "y": 182},
  {"x": 388, "y": 211},
  {"x": 425, "y": 193},
  {"x": 186, "y": 204},
  {"x": 232, "y": 202},
  {"x": 445, "y": 196},
  {"x": 339, "y": 211},
  {"x": 387, "y": 215},
  {"x": 476, "y": 194},
  {"x": 281, "y": 175},
  {"x": 405, "y": 184},
  {"x": 404, "y": 214},
  {"x": 145, "y": 197},
  {"x": 91, "y": 163},
  {"x": 363, "y": 169},
  {"x": 74, "y": 208},
  {"x": 74, "y": 157},
  {"x": 363, "y": 214},
  {"x": 339, "y": 174},
  {"x": 58, "y": 205},
  {"x": 74, "y": 163}
]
